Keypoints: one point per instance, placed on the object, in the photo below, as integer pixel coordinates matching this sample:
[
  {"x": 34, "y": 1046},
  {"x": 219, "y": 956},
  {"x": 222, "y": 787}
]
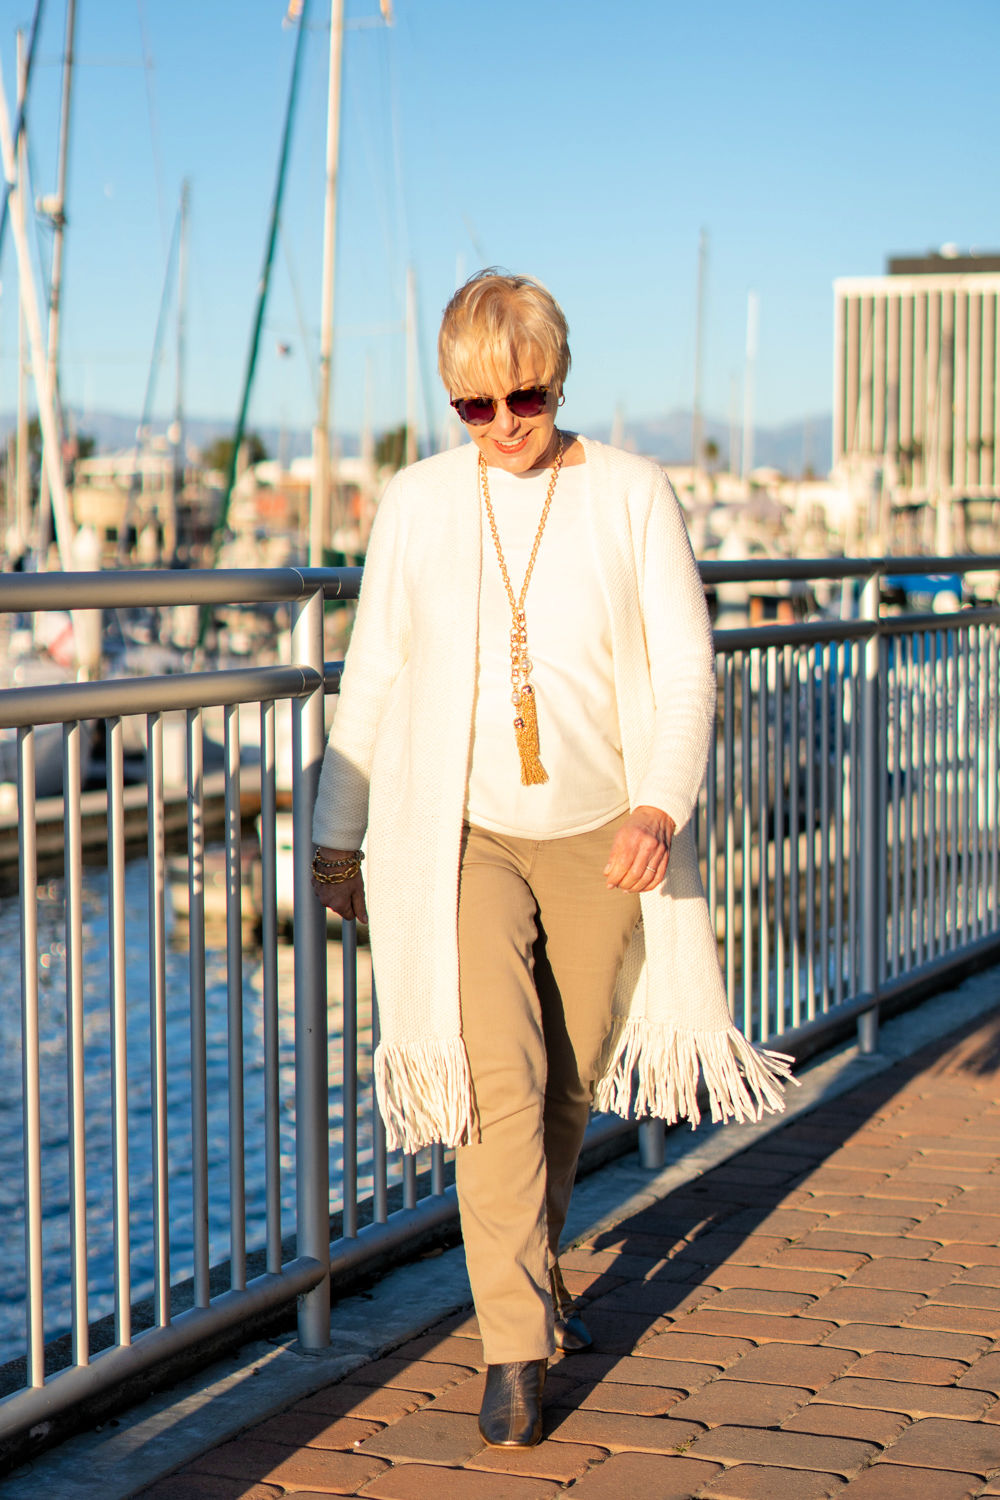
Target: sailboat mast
[
  {"x": 411, "y": 366},
  {"x": 319, "y": 509},
  {"x": 24, "y": 525},
  {"x": 28, "y": 294},
  {"x": 177, "y": 429},
  {"x": 697, "y": 444},
  {"x": 56, "y": 212},
  {"x": 746, "y": 464}
]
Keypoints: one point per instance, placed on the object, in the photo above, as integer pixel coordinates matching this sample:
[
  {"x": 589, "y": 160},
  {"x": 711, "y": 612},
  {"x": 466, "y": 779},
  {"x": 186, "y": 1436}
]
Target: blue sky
[{"x": 587, "y": 143}]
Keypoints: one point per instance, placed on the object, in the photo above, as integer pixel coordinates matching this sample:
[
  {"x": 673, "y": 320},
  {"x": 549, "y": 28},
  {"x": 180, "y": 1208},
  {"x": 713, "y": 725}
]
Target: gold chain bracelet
[
  {"x": 336, "y": 877},
  {"x": 334, "y": 871}
]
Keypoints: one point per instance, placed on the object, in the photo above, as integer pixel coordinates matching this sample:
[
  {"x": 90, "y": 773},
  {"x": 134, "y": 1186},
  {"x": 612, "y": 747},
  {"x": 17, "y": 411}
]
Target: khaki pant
[{"x": 541, "y": 940}]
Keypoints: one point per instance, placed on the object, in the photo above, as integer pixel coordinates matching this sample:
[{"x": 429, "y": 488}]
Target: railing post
[
  {"x": 312, "y": 1123},
  {"x": 652, "y": 1144},
  {"x": 869, "y": 823}
]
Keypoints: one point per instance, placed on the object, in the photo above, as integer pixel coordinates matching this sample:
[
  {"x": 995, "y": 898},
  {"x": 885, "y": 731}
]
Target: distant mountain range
[{"x": 792, "y": 447}]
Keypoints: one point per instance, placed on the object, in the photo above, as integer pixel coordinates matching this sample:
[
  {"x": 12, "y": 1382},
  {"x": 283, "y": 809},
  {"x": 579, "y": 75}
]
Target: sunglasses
[{"x": 476, "y": 411}]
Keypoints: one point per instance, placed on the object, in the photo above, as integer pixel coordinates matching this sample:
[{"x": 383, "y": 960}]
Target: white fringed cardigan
[{"x": 396, "y": 766}]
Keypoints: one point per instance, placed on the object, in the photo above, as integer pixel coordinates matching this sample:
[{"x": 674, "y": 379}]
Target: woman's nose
[{"x": 505, "y": 421}]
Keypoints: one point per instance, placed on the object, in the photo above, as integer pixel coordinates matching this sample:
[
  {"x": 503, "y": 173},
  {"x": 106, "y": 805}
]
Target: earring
[{"x": 561, "y": 401}]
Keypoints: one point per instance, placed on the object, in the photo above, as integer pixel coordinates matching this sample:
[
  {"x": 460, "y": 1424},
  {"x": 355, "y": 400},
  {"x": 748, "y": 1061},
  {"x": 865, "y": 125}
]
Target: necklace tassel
[{"x": 533, "y": 773}]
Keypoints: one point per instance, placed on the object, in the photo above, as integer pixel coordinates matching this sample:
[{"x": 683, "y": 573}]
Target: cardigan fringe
[
  {"x": 652, "y": 1069},
  {"x": 425, "y": 1094}
]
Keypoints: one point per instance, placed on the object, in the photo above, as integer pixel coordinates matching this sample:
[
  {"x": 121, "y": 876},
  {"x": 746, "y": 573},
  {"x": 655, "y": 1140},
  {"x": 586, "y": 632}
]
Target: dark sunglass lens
[
  {"x": 477, "y": 410},
  {"x": 527, "y": 403}
]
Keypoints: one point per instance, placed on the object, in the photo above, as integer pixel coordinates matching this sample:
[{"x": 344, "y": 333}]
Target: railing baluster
[
  {"x": 234, "y": 990},
  {"x": 918, "y": 761},
  {"x": 380, "y": 1175},
  {"x": 947, "y": 829},
  {"x": 993, "y": 779},
  {"x": 712, "y": 824},
  {"x": 855, "y": 656},
  {"x": 838, "y": 825},
  {"x": 196, "y": 981},
  {"x": 349, "y": 1047},
  {"x": 763, "y": 1027},
  {"x": 780, "y": 843},
  {"x": 871, "y": 823},
  {"x": 158, "y": 1018},
  {"x": 746, "y": 797},
  {"x": 810, "y": 940},
  {"x": 795, "y": 837},
  {"x": 119, "y": 1031},
  {"x": 906, "y": 801},
  {"x": 269, "y": 984},
  {"x": 894, "y": 698},
  {"x": 409, "y": 1181},
  {"x": 729, "y": 747},
  {"x": 30, "y": 1081},
  {"x": 75, "y": 1042}
]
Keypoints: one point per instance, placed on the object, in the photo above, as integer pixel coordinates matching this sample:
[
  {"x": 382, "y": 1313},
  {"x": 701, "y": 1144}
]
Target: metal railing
[{"x": 848, "y": 829}]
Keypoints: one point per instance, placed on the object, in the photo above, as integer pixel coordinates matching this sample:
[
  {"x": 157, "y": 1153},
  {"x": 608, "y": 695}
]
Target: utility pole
[{"x": 319, "y": 510}]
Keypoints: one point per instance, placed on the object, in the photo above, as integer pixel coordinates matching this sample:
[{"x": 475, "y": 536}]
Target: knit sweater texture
[{"x": 395, "y": 773}]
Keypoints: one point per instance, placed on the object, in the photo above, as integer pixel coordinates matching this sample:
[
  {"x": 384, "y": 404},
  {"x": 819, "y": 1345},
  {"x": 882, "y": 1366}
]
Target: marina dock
[{"x": 94, "y": 825}]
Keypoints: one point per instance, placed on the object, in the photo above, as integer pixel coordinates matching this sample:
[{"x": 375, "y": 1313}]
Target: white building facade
[{"x": 917, "y": 399}]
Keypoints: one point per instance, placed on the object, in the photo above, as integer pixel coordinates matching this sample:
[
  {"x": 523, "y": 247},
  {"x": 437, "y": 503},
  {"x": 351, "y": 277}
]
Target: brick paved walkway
[{"x": 819, "y": 1315}]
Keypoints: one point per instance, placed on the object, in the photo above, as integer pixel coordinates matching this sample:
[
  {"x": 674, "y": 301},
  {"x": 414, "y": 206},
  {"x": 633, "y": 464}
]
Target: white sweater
[
  {"x": 397, "y": 762},
  {"x": 569, "y": 644}
]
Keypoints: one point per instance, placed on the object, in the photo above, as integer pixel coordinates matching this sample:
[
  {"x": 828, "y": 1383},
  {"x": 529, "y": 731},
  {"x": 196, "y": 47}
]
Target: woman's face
[{"x": 518, "y": 444}]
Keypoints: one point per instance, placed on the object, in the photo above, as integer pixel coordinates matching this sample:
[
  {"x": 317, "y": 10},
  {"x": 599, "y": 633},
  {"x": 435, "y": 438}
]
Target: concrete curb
[{"x": 124, "y": 1456}]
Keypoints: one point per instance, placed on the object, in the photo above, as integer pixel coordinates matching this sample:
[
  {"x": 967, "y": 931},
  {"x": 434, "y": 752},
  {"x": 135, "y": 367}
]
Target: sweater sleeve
[
  {"x": 681, "y": 660},
  {"x": 376, "y": 656}
]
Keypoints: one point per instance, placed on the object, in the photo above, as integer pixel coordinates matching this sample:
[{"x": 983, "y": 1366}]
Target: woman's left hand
[{"x": 640, "y": 851}]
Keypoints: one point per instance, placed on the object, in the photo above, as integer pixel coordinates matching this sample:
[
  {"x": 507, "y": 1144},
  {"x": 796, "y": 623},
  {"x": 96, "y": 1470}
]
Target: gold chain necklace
[{"x": 522, "y": 694}]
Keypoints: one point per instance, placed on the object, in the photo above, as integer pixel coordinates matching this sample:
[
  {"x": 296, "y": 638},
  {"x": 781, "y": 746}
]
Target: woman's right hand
[{"x": 345, "y": 897}]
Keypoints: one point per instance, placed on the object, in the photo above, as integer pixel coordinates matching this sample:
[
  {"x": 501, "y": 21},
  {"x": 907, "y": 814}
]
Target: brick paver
[
  {"x": 645, "y": 1475},
  {"x": 892, "y": 1482},
  {"x": 911, "y": 1397},
  {"x": 744, "y": 1403},
  {"x": 758, "y": 1482},
  {"x": 415, "y": 1482},
  {"x": 818, "y": 1316},
  {"x": 937, "y": 1443},
  {"x": 870, "y": 1426},
  {"x": 562, "y": 1461},
  {"x": 786, "y": 1450}
]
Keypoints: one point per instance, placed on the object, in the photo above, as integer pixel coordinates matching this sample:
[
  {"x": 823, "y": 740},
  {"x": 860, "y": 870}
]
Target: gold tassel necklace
[{"x": 522, "y": 695}]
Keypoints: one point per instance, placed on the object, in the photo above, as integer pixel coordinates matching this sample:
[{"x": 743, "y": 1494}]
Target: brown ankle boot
[
  {"x": 511, "y": 1413},
  {"x": 571, "y": 1332}
]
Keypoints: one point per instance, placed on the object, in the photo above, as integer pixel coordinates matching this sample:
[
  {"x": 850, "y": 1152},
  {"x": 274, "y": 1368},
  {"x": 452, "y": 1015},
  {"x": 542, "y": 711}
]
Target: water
[{"x": 97, "y": 1044}]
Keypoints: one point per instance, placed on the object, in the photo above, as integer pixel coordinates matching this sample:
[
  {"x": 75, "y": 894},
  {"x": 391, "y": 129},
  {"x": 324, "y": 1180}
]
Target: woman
[{"x": 522, "y": 732}]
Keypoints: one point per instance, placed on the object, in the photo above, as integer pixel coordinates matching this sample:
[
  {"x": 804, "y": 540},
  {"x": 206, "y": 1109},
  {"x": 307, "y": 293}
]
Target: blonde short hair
[{"x": 489, "y": 323}]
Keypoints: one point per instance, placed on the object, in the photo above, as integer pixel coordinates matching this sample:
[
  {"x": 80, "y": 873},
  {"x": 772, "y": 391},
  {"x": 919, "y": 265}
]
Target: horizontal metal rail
[
  {"x": 70, "y": 702},
  {"x": 202, "y": 1110},
  {"x": 162, "y": 587}
]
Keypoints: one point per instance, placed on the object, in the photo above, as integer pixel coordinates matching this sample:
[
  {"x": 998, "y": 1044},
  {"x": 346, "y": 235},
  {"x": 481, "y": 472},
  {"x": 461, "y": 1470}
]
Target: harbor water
[{"x": 98, "y": 1094}]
